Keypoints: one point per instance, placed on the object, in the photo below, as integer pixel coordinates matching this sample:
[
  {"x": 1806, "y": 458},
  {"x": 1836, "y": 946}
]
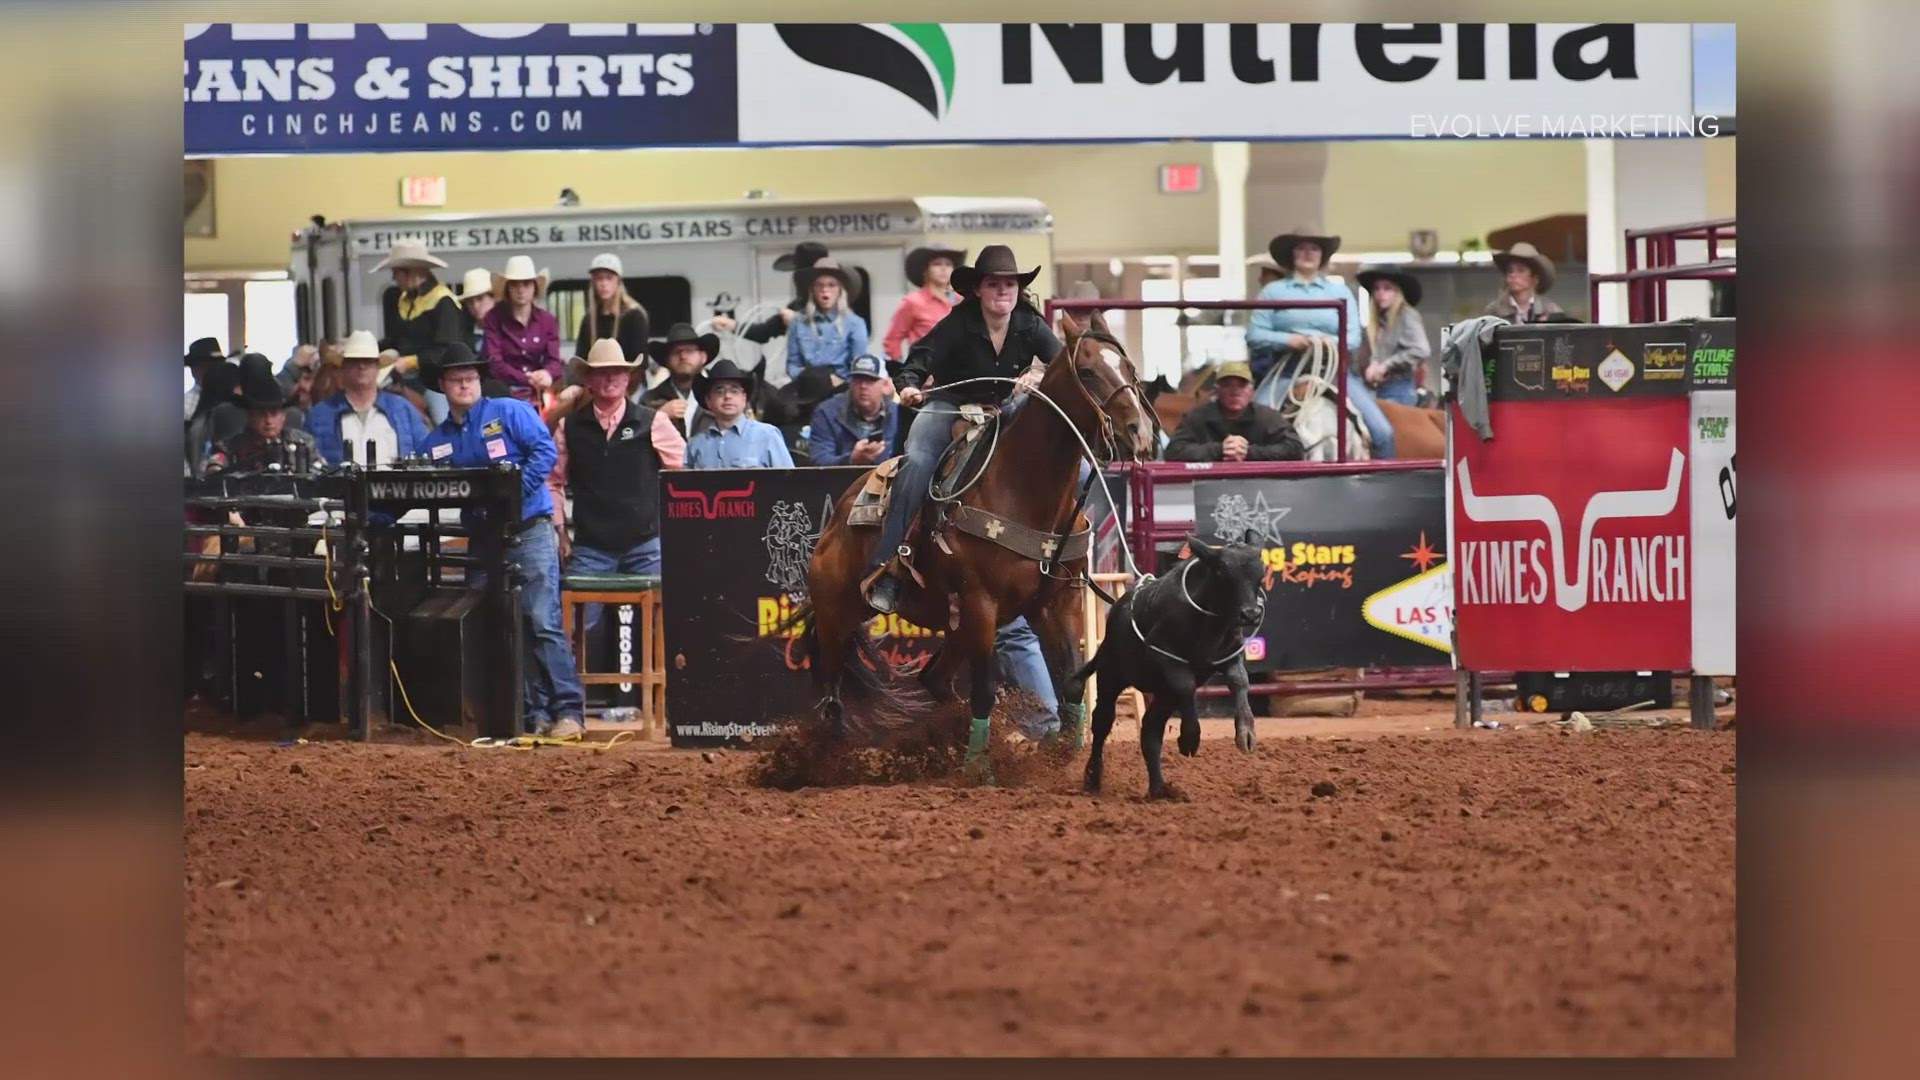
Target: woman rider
[{"x": 993, "y": 331}]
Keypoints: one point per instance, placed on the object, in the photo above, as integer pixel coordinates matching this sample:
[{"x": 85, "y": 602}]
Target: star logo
[
  {"x": 1422, "y": 556},
  {"x": 1234, "y": 519}
]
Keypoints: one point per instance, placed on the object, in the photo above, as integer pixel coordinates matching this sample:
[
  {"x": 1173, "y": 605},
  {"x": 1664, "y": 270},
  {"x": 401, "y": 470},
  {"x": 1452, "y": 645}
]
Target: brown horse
[
  {"x": 1417, "y": 433},
  {"x": 971, "y": 585}
]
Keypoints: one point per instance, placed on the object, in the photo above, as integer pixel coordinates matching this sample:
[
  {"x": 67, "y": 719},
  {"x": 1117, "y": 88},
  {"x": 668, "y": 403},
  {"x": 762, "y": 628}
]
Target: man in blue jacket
[
  {"x": 861, "y": 424},
  {"x": 478, "y": 432},
  {"x": 362, "y": 411}
]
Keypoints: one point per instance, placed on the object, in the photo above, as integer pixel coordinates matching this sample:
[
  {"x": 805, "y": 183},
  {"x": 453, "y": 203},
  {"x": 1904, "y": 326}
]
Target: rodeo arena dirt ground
[{"x": 1383, "y": 884}]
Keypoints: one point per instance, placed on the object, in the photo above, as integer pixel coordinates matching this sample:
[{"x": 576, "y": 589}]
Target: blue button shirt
[
  {"x": 748, "y": 444},
  {"x": 1267, "y": 329},
  {"x": 823, "y": 341},
  {"x": 494, "y": 430}
]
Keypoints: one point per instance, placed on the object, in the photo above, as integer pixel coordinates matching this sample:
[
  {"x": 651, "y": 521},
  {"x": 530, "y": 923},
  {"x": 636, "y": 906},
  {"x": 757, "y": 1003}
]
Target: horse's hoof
[
  {"x": 1243, "y": 739},
  {"x": 1166, "y": 793},
  {"x": 1189, "y": 747},
  {"x": 1091, "y": 785}
]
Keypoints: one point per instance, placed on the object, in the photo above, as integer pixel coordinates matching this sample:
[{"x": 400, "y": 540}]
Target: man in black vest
[{"x": 611, "y": 454}]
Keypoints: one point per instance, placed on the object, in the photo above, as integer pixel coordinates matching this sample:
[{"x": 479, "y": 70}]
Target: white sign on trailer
[{"x": 1712, "y": 483}]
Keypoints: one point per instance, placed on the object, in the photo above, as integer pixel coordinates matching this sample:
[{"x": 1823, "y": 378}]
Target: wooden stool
[{"x": 641, "y": 591}]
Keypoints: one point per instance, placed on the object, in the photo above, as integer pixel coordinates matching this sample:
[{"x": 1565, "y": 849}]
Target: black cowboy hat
[
  {"x": 262, "y": 393},
  {"x": 848, "y": 282},
  {"x": 721, "y": 370},
  {"x": 680, "y": 333},
  {"x": 919, "y": 257},
  {"x": 803, "y": 255},
  {"x": 205, "y": 350},
  {"x": 1409, "y": 285},
  {"x": 459, "y": 354},
  {"x": 993, "y": 260},
  {"x": 1281, "y": 247}
]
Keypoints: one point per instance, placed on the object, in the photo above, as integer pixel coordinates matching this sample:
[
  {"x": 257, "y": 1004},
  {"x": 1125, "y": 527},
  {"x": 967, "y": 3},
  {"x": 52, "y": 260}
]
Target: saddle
[{"x": 959, "y": 467}]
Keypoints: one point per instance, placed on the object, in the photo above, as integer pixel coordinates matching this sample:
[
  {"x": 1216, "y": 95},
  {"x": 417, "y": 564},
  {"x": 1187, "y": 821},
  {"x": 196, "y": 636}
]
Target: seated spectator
[
  {"x": 796, "y": 262},
  {"x": 253, "y": 373},
  {"x": 826, "y": 333},
  {"x": 1232, "y": 427},
  {"x": 860, "y": 425},
  {"x": 791, "y": 408},
  {"x": 361, "y": 411},
  {"x": 930, "y": 269},
  {"x": 419, "y": 318},
  {"x": 730, "y": 439},
  {"x": 1394, "y": 347},
  {"x": 684, "y": 354},
  {"x": 1528, "y": 274},
  {"x": 612, "y": 453},
  {"x": 305, "y": 361},
  {"x": 476, "y": 299},
  {"x": 611, "y": 312},
  {"x": 266, "y": 443},
  {"x": 523, "y": 338},
  {"x": 219, "y": 386}
]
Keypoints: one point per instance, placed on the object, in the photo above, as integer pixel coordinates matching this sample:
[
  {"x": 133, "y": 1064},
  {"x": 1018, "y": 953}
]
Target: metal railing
[{"x": 1653, "y": 259}]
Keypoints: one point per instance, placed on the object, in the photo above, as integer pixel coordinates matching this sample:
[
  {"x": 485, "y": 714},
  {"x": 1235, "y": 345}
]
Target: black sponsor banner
[
  {"x": 1710, "y": 361},
  {"x": 734, "y": 546},
  {"x": 1559, "y": 361},
  {"x": 1356, "y": 565}
]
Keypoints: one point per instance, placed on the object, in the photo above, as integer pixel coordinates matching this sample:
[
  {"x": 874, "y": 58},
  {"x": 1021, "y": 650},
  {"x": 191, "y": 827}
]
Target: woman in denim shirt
[{"x": 825, "y": 333}]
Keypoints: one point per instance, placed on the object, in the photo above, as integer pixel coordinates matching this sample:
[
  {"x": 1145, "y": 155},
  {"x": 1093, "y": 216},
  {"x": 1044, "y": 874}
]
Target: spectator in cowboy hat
[
  {"x": 476, "y": 299},
  {"x": 796, "y": 262},
  {"x": 361, "y": 411},
  {"x": 522, "y": 338},
  {"x": 1528, "y": 274},
  {"x": 611, "y": 313},
  {"x": 930, "y": 269},
  {"x": 859, "y": 426},
  {"x": 219, "y": 385},
  {"x": 612, "y": 452},
  {"x": 267, "y": 443},
  {"x": 419, "y": 319},
  {"x": 201, "y": 356},
  {"x": 731, "y": 439},
  {"x": 684, "y": 354},
  {"x": 477, "y": 433},
  {"x": 826, "y": 333},
  {"x": 230, "y": 417},
  {"x": 1269, "y": 269},
  {"x": 1394, "y": 348},
  {"x": 1234, "y": 427},
  {"x": 1278, "y": 339}
]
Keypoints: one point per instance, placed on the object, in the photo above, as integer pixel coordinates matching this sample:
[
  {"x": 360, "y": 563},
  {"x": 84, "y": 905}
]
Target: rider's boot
[{"x": 884, "y": 594}]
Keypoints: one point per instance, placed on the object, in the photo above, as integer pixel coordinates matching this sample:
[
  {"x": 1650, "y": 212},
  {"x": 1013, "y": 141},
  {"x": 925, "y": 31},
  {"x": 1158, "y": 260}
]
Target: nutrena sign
[{"x": 319, "y": 87}]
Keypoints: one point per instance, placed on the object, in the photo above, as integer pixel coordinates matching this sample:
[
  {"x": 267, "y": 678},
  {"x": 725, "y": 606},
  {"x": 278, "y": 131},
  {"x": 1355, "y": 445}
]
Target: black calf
[{"x": 1169, "y": 637}]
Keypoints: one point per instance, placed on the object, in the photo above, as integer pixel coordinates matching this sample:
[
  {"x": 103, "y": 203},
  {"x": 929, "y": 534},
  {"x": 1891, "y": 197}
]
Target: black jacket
[
  {"x": 630, "y": 329},
  {"x": 422, "y": 326},
  {"x": 772, "y": 326},
  {"x": 958, "y": 348},
  {"x": 1269, "y": 436},
  {"x": 615, "y": 481}
]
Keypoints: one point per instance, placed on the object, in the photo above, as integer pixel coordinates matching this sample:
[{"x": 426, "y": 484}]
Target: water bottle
[{"x": 622, "y": 715}]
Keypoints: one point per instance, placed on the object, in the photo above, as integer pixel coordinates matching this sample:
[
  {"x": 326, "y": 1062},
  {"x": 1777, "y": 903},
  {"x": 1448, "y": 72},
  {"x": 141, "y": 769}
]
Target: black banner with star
[{"x": 1356, "y": 566}]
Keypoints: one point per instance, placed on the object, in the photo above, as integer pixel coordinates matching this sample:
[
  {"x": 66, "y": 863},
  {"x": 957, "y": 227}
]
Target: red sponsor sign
[{"x": 1570, "y": 537}]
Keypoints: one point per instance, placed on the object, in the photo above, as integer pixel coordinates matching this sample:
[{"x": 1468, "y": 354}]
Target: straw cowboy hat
[
  {"x": 1409, "y": 285},
  {"x": 803, "y": 255},
  {"x": 1281, "y": 247},
  {"x": 994, "y": 260},
  {"x": 408, "y": 252},
  {"x": 919, "y": 257},
  {"x": 1527, "y": 253},
  {"x": 722, "y": 370},
  {"x": 360, "y": 345},
  {"x": 477, "y": 282},
  {"x": 681, "y": 333},
  {"x": 604, "y": 356},
  {"x": 520, "y": 268},
  {"x": 830, "y": 268}
]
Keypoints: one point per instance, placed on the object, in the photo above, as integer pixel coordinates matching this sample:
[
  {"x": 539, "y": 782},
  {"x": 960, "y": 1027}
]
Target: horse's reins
[{"x": 1133, "y": 619}]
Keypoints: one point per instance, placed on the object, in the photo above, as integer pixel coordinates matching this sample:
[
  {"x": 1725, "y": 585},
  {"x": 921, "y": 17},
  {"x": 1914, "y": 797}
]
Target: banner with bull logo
[
  {"x": 1357, "y": 571},
  {"x": 734, "y": 547},
  {"x": 1571, "y": 539}
]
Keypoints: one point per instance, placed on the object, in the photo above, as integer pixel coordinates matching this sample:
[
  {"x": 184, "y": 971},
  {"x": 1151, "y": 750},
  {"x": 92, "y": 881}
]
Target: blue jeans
[
  {"x": 641, "y": 558},
  {"x": 1018, "y": 660},
  {"x": 551, "y": 690},
  {"x": 1375, "y": 421},
  {"x": 1398, "y": 390},
  {"x": 930, "y": 434}
]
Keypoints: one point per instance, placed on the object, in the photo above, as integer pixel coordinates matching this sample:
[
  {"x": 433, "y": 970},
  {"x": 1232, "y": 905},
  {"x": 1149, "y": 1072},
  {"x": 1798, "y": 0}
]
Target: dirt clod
[{"x": 1325, "y": 789}]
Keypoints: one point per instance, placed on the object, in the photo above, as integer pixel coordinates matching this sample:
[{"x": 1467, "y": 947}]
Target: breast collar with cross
[{"x": 1133, "y": 617}]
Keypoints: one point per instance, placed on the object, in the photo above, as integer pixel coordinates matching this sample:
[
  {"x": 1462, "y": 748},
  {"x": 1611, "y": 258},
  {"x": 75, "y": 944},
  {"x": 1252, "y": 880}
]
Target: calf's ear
[{"x": 1202, "y": 549}]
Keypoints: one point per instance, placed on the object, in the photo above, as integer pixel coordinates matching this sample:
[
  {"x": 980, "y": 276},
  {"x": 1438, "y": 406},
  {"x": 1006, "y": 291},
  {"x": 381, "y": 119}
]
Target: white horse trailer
[{"x": 684, "y": 263}]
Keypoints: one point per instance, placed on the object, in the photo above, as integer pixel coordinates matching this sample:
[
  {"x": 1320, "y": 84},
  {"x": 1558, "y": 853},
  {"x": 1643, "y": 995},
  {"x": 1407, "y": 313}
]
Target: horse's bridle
[{"x": 1108, "y": 439}]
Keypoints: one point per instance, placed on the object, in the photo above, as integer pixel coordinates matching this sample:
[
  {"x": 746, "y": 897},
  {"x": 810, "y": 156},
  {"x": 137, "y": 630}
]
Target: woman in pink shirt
[
  {"x": 522, "y": 338},
  {"x": 931, "y": 269}
]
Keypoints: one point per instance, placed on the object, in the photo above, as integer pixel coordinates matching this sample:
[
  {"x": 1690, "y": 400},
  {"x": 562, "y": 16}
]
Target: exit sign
[
  {"x": 423, "y": 191},
  {"x": 1180, "y": 179}
]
